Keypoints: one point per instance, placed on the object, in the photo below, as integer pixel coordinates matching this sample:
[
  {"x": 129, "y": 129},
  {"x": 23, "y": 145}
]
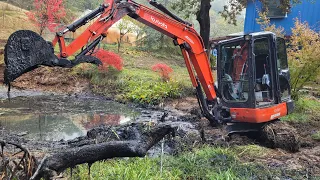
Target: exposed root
[{"x": 16, "y": 162}]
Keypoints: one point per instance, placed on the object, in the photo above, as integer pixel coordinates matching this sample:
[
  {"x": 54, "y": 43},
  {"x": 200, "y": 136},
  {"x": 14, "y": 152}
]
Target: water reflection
[
  {"x": 43, "y": 118},
  {"x": 108, "y": 119},
  {"x": 42, "y": 127}
]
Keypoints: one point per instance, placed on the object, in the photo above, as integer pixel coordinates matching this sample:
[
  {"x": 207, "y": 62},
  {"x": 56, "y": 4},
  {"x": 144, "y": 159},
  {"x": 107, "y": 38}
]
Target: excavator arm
[
  {"x": 19, "y": 58},
  {"x": 181, "y": 32}
]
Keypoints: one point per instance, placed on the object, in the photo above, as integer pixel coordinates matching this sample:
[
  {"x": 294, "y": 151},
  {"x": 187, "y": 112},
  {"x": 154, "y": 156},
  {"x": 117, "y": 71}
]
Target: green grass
[
  {"x": 137, "y": 82},
  {"x": 316, "y": 136},
  {"x": 203, "y": 163},
  {"x": 136, "y": 85},
  {"x": 306, "y": 108}
]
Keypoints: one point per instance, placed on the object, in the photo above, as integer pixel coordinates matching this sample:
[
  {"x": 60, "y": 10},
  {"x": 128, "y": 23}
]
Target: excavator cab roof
[{"x": 246, "y": 36}]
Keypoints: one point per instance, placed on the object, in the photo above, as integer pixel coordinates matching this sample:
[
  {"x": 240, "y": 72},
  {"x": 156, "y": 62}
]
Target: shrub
[
  {"x": 303, "y": 52},
  {"x": 109, "y": 59},
  {"x": 152, "y": 93},
  {"x": 265, "y": 24},
  {"x": 303, "y": 56},
  {"x": 163, "y": 70}
]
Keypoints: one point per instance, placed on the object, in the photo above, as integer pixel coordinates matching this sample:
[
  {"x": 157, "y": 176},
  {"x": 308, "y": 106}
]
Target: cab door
[
  {"x": 283, "y": 70},
  {"x": 264, "y": 78}
]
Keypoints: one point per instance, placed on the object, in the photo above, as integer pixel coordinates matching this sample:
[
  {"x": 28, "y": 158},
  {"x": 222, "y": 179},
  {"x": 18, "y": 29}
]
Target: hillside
[{"x": 13, "y": 18}]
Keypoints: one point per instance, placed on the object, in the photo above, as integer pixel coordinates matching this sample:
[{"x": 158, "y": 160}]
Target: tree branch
[{"x": 60, "y": 161}]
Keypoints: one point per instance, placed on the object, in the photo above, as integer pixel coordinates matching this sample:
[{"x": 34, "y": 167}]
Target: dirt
[
  {"x": 281, "y": 135},
  {"x": 53, "y": 79}
]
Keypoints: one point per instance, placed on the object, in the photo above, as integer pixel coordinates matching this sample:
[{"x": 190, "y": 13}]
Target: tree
[
  {"x": 125, "y": 26},
  {"x": 303, "y": 52},
  {"x": 203, "y": 17},
  {"x": 303, "y": 56},
  {"x": 101, "y": 143},
  {"x": 229, "y": 12},
  {"x": 47, "y": 14}
]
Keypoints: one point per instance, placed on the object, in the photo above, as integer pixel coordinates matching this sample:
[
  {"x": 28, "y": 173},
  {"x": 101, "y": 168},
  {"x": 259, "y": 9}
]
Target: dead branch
[
  {"x": 69, "y": 158},
  {"x": 9, "y": 165}
]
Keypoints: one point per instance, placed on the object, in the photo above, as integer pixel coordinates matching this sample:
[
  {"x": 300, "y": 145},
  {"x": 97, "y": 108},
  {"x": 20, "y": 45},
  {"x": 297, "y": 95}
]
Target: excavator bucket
[{"x": 25, "y": 51}]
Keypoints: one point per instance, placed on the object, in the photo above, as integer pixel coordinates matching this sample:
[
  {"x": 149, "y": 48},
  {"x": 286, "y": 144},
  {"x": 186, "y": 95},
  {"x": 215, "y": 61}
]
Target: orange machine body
[{"x": 259, "y": 115}]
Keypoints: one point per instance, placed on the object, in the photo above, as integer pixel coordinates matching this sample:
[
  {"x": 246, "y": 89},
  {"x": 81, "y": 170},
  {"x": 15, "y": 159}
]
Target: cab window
[
  {"x": 234, "y": 58},
  {"x": 283, "y": 69}
]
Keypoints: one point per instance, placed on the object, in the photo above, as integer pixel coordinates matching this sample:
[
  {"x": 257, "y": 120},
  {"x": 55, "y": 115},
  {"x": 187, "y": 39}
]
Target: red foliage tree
[
  {"x": 163, "y": 70},
  {"x": 109, "y": 59},
  {"x": 47, "y": 14}
]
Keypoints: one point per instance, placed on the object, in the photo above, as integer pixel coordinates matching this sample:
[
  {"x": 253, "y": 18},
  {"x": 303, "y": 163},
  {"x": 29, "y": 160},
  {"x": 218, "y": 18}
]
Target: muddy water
[{"x": 39, "y": 116}]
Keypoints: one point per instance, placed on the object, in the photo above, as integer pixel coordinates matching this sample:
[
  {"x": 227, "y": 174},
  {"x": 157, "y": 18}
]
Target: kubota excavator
[{"x": 253, "y": 76}]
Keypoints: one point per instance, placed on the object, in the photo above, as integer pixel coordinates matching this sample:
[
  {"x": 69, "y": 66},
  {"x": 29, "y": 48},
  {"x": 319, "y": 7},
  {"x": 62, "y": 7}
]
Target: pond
[{"x": 55, "y": 117}]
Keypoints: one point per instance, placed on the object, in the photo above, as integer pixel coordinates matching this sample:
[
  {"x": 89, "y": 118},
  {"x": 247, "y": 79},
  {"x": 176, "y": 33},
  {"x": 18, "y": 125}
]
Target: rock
[{"x": 23, "y": 133}]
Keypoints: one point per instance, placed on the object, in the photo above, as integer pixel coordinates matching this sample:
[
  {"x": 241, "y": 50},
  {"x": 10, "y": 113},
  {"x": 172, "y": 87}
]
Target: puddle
[{"x": 54, "y": 117}]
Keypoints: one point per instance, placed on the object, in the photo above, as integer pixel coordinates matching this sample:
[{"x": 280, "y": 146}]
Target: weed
[
  {"x": 135, "y": 85},
  {"x": 306, "y": 109},
  {"x": 316, "y": 136},
  {"x": 153, "y": 91},
  {"x": 133, "y": 168},
  {"x": 109, "y": 59},
  {"x": 204, "y": 163},
  {"x": 163, "y": 70},
  {"x": 251, "y": 151}
]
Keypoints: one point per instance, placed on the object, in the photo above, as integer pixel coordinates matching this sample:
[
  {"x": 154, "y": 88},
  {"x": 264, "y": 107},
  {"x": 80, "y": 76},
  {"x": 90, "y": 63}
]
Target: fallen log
[{"x": 69, "y": 158}]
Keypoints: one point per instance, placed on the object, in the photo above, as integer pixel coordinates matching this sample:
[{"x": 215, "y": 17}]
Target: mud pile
[{"x": 280, "y": 135}]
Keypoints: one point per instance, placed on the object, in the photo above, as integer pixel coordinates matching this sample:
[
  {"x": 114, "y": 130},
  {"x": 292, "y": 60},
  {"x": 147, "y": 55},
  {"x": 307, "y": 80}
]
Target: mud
[
  {"x": 281, "y": 135},
  {"x": 195, "y": 132},
  {"x": 63, "y": 106},
  {"x": 186, "y": 136},
  {"x": 306, "y": 130}
]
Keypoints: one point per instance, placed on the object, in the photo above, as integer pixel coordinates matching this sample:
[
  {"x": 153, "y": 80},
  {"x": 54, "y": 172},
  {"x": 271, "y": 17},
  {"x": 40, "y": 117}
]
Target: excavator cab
[{"x": 253, "y": 77}]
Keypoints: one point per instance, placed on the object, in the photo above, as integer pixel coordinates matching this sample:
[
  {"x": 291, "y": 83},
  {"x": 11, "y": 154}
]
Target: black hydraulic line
[
  {"x": 91, "y": 46},
  {"x": 82, "y": 21},
  {"x": 204, "y": 106},
  {"x": 163, "y": 9}
]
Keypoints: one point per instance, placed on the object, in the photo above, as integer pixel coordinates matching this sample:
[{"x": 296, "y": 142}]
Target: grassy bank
[
  {"x": 204, "y": 163},
  {"x": 137, "y": 82},
  {"x": 307, "y": 108}
]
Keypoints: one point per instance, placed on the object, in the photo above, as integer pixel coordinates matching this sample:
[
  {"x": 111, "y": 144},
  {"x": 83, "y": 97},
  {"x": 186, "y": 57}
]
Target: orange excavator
[{"x": 252, "y": 70}]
